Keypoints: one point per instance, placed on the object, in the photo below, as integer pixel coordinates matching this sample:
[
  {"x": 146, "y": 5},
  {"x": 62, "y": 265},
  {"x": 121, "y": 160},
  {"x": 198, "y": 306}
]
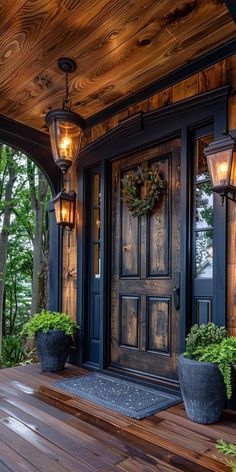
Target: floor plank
[{"x": 45, "y": 429}]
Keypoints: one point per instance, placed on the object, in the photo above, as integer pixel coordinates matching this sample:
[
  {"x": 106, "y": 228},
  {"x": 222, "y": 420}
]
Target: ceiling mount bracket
[{"x": 66, "y": 64}]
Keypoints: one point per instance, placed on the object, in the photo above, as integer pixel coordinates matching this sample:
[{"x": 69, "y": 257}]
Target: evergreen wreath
[{"x": 154, "y": 189}]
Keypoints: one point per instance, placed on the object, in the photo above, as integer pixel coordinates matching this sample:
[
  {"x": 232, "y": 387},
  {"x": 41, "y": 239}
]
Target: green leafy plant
[
  {"x": 227, "y": 449},
  {"x": 47, "y": 320},
  {"x": 13, "y": 352},
  {"x": 209, "y": 343},
  {"x": 201, "y": 336}
]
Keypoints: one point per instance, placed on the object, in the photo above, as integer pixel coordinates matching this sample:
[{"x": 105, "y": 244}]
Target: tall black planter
[
  {"x": 53, "y": 349},
  {"x": 203, "y": 390}
]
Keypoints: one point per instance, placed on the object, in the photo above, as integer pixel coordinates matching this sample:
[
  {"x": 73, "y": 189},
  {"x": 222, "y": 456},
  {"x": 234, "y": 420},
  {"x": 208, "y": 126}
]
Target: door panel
[{"x": 145, "y": 259}]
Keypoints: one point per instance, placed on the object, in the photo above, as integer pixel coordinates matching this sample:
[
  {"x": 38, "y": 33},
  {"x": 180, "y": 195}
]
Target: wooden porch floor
[{"x": 42, "y": 429}]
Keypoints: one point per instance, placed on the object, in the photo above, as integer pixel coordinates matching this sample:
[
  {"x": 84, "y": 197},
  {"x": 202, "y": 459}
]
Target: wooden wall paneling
[
  {"x": 160, "y": 99},
  {"x": 120, "y": 117},
  {"x": 231, "y": 293},
  {"x": 185, "y": 89},
  {"x": 142, "y": 106},
  {"x": 213, "y": 77},
  {"x": 232, "y": 112}
]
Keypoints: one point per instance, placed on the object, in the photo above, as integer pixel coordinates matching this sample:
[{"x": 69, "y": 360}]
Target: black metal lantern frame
[
  {"x": 65, "y": 126},
  {"x": 221, "y": 160},
  {"x": 64, "y": 205}
]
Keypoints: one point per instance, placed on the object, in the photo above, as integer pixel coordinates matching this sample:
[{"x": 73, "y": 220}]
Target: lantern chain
[{"x": 66, "y": 101}]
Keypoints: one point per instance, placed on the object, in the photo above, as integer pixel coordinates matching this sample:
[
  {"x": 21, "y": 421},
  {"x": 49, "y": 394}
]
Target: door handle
[{"x": 176, "y": 290}]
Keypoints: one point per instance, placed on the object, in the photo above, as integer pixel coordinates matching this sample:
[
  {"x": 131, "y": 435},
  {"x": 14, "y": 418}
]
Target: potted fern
[
  {"x": 54, "y": 333},
  {"x": 205, "y": 371}
]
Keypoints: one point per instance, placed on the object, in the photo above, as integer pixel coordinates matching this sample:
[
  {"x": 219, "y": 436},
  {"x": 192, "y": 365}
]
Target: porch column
[{"x": 55, "y": 261}]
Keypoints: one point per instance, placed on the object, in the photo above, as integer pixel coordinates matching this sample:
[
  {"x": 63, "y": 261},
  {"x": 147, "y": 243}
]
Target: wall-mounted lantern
[
  {"x": 221, "y": 160},
  {"x": 65, "y": 126},
  {"x": 64, "y": 204}
]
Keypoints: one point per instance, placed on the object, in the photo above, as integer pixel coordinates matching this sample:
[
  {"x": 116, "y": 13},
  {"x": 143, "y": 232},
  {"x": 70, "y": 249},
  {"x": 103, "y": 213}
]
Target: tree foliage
[{"x": 24, "y": 196}]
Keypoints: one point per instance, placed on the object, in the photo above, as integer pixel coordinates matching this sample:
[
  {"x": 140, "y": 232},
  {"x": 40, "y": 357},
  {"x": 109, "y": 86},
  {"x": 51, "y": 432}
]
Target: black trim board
[
  {"x": 181, "y": 73},
  {"x": 35, "y": 144}
]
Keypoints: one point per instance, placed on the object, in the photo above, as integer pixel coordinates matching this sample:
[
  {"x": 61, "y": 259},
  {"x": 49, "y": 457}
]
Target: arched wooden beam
[{"x": 35, "y": 144}]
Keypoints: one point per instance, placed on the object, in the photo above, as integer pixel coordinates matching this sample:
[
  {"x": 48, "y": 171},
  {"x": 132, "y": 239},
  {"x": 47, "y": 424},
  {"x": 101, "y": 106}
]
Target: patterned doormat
[{"x": 125, "y": 397}]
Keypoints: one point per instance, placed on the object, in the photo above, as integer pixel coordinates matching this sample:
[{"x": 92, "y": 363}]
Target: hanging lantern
[
  {"x": 65, "y": 126},
  {"x": 64, "y": 205},
  {"x": 221, "y": 161}
]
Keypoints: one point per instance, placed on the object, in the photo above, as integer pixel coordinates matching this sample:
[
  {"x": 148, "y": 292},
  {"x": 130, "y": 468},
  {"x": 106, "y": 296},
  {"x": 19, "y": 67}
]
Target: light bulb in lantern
[
  {"x": 66, "y": 147},
  {"x": 222, "y": 172},
  {"x": 64, "y": 214}
]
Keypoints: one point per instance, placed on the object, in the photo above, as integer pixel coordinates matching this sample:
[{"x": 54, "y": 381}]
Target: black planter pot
[
  {"x": 203, "y": 390},
  {"x": 53, "y": 349}
]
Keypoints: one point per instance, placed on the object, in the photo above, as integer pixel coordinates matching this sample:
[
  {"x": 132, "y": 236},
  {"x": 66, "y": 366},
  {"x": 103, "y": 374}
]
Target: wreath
[{"x": 141, "y": 202}]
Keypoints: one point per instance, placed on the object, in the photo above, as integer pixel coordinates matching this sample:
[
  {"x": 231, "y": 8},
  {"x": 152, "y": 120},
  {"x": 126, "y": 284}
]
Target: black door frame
[{"x": 135, "y": 133}]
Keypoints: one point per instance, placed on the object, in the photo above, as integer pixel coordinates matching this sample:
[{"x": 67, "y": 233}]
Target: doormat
[{"x": 125, "y": 397}]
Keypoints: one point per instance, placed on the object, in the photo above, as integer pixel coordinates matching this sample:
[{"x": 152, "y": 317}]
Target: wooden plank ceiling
[{"x": 120, "y": 47}]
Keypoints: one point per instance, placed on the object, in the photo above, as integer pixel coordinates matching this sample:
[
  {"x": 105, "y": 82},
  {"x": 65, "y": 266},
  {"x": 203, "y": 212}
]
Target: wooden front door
[{"x": 146, "y": 270}]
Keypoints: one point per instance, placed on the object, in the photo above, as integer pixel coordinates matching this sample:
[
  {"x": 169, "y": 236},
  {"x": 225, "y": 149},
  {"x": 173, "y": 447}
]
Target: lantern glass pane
[
  {"x": 219, "y": 167},
  {"x": 233, "y": 170},
  {"x": 65, "y": 211},
  {"x": 57, "y": 207},
  {"x": 71, "y": 214},
  {"x": 65, "y": 140}
]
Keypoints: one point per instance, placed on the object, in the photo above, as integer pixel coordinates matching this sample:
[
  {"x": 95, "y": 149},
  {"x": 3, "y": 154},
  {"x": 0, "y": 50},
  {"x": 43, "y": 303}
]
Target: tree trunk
[
  {"x": 5, "y": 234},
  {"x": 38, "y": 263}
]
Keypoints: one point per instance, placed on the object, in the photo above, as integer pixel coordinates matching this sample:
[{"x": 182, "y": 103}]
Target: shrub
[
  {"x": 13, "y": 352},
  {"x": 210, "y": 343},
  {"x": 47, "y": 320},
  {"x": 201, "y": 336}
]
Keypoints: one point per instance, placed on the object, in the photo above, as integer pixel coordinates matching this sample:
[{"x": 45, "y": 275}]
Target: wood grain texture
[
  {"x": 44, "y": 429},
  {"x": 121, "y": 46},
  {"x": 145, "y": 255}
]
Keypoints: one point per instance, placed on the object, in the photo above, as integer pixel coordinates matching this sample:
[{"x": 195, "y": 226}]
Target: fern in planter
[
  {"x": 223, "y": 355},
  {"x": 201, "y": 336},
  {"x": 205, "y": 371}
]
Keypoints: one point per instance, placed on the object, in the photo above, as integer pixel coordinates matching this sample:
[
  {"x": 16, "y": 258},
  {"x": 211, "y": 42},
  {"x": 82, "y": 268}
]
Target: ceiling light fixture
[{"x": 65, "y": 126}]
